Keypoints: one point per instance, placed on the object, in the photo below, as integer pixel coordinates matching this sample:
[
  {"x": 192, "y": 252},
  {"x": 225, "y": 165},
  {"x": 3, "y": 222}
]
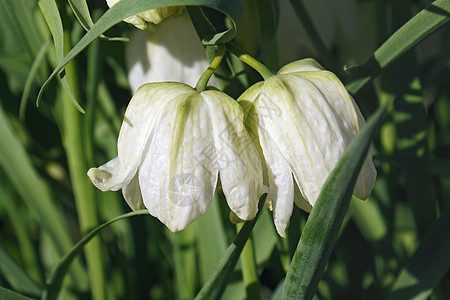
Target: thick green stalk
[
  {"x": 246, "y": 58},
  {"x": 83, "y": 189},
  {"x": 203, "y": 81},
  {"x": 249, "y": 269}
]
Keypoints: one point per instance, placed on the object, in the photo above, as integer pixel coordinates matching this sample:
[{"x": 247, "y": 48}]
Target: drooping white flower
[
  {"x": 304, "y": 120},
  {"x": 173, "y": 144},
  {"x": 170, "y": 51},
  {"x": 155, "y": 15}
]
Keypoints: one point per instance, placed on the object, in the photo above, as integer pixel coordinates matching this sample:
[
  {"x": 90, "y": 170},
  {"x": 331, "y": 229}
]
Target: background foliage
[{"x": 395, "y": 245}]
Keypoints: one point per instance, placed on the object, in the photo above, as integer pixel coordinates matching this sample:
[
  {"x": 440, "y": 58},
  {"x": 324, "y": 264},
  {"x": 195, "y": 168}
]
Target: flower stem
[
  {"x": 203, "y": 81},
  {"x": 249, "y": 271},
  {"x": 259, "y": 67}
]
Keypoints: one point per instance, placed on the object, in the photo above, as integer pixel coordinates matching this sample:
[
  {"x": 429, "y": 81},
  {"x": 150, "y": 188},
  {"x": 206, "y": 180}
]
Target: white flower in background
[
  {"x": 173, "y": 144},
  {"x": 170, "y": 51},
  {"x": 155, "y": 15},
  {"x": 304, "y": 119}
]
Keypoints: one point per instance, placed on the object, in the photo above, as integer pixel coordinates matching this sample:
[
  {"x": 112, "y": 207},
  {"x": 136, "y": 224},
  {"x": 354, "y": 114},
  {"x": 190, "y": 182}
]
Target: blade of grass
[
  {"x": 81, "y": 12},
  {"x": 84, "y": 191},
  {"x": 31, "y": 77},
  {"x": 11, "y": 295},
  {"x": 413, "y": 32},
  {"x": 211, "y": 239},
  {"x": 51, "y": 14},
  {"x": 56, "y": 277},
  {"x": 16, "y": 276},
  {"x": 216, "y": 284},
  {"x": 17, "y": 166},
  {"x": 321, "y": 229},
  {"x": 21, "y": 226}
]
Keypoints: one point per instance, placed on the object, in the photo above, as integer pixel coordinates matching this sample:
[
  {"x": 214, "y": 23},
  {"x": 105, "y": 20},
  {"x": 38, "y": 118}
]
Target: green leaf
[
  {"x": 211, "y": 239},
  {"x": 17, "y": 166},
  {"x": 16, "y": 276},
  {"x": 31, "y": 77},
  {"x": 126, "y": 8},
  {"x": 413, "y": 32},
  {"x": 51, "y": 14},
  {"x": 11, "y": 295},
  {"x": 427, "y": 266},
  {"x": 81, "y": 12},
  {"x": 216, "y": 284},
  {"x": 55, "y": 279},
  {"x": 322, "y": 228}
]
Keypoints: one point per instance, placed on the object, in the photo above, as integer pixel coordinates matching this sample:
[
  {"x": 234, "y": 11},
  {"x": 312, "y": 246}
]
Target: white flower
[
  {"x": 173, "y": 144},
  {"x": 170, "y": 51},
  {"x": 155, "y": 15},
  {"x": 304, "y": 119}
]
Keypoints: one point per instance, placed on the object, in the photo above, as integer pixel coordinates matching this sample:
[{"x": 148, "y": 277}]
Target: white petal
[
  {"x": 177, "y": 182},
  {"x": 132, "y": 194},
  {"x": 307, "y": 131},
  {"x": 108, "y": 177},
  {"x": 307, "y": 64},
  {"x": 155, "y": 55},
  {"x": 238, "y": 160},
  {"x": 281, "y": 192},
  {"x": 140, "y": 118},
  {"x": 368, "y": 174}
]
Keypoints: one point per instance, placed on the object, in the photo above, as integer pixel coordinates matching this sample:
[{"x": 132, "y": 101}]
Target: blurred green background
[{"x": 395, "y": 245}]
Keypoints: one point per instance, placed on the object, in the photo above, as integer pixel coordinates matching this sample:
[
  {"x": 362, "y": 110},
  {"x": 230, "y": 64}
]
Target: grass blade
[
  {"x": 51, "y": 14},
  {"x": 410, "y": 34},
  {"x": 16, "y": 276},
  {"x": 17, "y": 166},
  {"x": 324, "y": 222},
  {"x": 54, "y": 281},
  {"x": 216, "y": 284},
  {"x": 11, "y": 295}
]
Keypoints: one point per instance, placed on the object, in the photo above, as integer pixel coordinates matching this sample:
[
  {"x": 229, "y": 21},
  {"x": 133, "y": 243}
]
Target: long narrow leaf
[
  {"x": 322, "y": 228},
  {"x": 51, "y": 14},
  {"x": 216, "y": 284},
  {"x": 16, "y": 276},
  {"x": 54, "y": 281},
  {"x": 125, "y": 8},
  {"x": 17, "y": 166},
  {"x": 11, "y": 295},
  {"x": 414, "y": 31}
]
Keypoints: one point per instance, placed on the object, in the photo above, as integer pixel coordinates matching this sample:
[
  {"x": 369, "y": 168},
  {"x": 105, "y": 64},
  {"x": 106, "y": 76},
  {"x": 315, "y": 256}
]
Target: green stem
[
  {"x": 249, "y": 270},
  {"x": 203, "y": 81},
  {"x": 259, "y": 67},
  {"x": 82, "y": 188}
]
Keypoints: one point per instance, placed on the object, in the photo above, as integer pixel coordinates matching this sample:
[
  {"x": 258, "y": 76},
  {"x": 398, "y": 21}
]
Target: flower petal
[
  {"x": 177, "y": 182},
  {"x": 108, "y": 177},
  {"x": 307, "y": 131},
  {"x": 141, "y": 117},
  {"x": 132, "y": 194},
  {"x": 281, "y": 192},
  {"x": 238, "y": 160},
  {"x": 307, "y": 64},
  {"x": 155, "y": 55}
]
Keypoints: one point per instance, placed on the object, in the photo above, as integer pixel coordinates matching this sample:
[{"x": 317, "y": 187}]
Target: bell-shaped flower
[
  {"x": 173, "y": 144},
  {"x": 155, "y": 54},
  {"x": 304, "y": 120},
  {"x": 155, "y": 15}
]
